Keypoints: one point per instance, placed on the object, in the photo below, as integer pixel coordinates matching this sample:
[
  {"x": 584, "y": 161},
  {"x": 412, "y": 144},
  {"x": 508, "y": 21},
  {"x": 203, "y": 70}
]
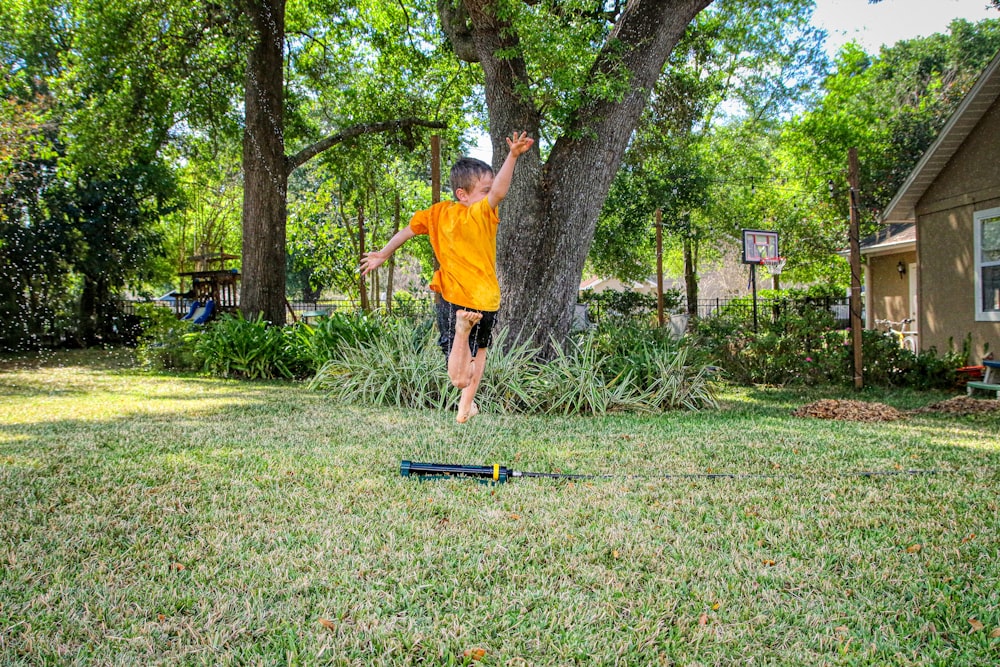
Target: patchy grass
[{"x": 171, "y": 520}]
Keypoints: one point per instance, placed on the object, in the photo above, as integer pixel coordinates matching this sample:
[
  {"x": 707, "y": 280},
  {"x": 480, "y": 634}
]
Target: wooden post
[
  {"x": 659, "y": 266},
  {"x": 854, "y": 235}
]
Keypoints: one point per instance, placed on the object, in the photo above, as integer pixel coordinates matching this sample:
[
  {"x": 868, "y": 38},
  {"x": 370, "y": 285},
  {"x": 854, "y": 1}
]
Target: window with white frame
[{"x": 987, "y": 248}]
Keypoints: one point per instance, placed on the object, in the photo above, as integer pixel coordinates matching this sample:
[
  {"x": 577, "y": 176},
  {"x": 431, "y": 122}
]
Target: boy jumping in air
[{"x": 464, "y": 237}]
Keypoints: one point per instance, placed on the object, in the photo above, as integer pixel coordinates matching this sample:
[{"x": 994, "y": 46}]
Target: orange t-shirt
[{"x": 464, "y": 239}]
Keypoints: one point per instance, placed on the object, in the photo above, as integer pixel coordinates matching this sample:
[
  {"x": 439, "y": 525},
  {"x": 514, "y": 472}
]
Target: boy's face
[{"x": 477, "y": 191}]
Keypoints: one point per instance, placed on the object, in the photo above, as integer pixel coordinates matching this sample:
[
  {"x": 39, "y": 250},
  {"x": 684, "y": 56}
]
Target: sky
[
  {"x": 870, "y": 25},
  {"x": 892, "y": 20}
]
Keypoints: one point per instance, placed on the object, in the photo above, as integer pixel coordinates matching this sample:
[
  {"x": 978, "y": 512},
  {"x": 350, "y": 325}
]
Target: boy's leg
[
  {"x": 466, "y": 404},
  {"x": 460, "y": 359}
]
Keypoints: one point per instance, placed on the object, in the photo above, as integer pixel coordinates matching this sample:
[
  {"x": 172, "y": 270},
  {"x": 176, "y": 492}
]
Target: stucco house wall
[
  {"x": 945, "y": 241},
  {"x": 889, "y": 293}
]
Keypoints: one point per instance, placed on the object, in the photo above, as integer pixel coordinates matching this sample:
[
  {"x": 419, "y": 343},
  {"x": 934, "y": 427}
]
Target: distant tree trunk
[
  {"x": 548, "y": 218},
  {"x": 264, "y": 171},
  {"x": 95, "y": 307},
  {"x": 690, "y": 276},
  {"x": 310, "y": 294},
  {"x": 391, "y": 264},
  {"x": 362, "y": 289},
  {"x": 87, "y": 330}
]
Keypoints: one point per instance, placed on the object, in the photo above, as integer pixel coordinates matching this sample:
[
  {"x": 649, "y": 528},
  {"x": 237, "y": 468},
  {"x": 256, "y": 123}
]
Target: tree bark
[
  {"x": 690, "y": 276},
  {"x": 264, "y": 171},
  {"x": 391, "y": 264},
  {"x": 549, "y": 215}
]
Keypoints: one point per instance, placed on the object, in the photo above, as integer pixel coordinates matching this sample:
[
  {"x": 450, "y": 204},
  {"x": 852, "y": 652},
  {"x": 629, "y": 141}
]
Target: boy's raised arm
[{"x": 519, "y": 143}]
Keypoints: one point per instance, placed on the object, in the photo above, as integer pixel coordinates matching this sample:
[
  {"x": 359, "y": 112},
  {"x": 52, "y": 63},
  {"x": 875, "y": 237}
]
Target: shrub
[
  {"x": 231, "y": 346},
  {"x": 322, "y": 341},
  {"x": 782, "y": 350},
  {"x": 165, "y": 343},
  {"x": 887, "y": 364},
  {"x": 802, "y": 346},
  {"x": 629, "y": 305}
]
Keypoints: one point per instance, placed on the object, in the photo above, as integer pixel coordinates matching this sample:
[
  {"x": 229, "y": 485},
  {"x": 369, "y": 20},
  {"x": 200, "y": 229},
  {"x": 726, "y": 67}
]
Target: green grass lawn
[{"x": 183, "y": 520}]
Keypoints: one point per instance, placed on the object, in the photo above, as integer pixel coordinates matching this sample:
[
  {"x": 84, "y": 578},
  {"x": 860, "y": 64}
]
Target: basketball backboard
[{"x": 758, "y": 242}]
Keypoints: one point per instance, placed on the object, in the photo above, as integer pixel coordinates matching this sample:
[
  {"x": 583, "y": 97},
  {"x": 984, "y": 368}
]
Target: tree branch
[
  {"x": 295, "y": 161},
  {"x": 455, "y": 24}
]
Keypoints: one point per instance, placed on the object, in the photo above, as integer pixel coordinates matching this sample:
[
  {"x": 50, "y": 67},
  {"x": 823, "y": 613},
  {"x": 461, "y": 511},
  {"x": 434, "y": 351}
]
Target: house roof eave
[{"x": 970, "y": 111}]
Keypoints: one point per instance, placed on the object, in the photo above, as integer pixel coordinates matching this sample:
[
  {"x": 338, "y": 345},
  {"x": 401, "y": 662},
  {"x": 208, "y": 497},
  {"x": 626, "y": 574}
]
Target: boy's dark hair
[{"x": 467, "y": 171}]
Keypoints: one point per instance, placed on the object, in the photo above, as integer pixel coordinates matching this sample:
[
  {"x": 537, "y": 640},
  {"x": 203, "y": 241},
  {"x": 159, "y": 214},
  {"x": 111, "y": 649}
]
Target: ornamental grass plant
[{"x": 588, "y": 375}]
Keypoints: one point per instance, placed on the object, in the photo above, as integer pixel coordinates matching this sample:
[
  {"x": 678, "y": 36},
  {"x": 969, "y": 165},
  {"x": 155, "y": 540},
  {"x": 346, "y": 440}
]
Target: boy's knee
[{"x": 460, "y": 381}]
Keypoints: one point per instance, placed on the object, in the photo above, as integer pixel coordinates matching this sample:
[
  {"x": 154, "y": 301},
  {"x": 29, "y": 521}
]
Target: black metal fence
[{"x": 740, "y": 308}]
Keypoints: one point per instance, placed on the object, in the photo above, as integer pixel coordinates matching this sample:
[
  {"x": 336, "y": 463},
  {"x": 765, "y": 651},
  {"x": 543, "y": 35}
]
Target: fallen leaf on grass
[
  {"x": 976, "y": 625},
  {"x": 971, "y": 537},
  {"x": 161, "y": 618},
  {"x": 474, "y": 653},
  {"x": 615, "y": 554},
  {"x": 914, "y": 548},
  {"x": 995, "y": 634},
  {"x": 328, "y": 624},
  {"x": 515, "y": 517},
  {"x": 177, "y": 567},
  {"x": 703, "y": 619}
]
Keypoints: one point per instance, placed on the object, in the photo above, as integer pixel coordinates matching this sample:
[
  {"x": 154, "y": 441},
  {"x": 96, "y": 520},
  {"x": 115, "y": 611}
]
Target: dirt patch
[
  {"x": 861, "y": 411},
  {"x": 855, "y": 411}
]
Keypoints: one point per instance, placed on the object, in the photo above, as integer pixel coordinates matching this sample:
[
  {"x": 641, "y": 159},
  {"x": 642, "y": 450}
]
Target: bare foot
[
  {"x": 465, "y": 320},
  {"x": 466, "y": 416}
]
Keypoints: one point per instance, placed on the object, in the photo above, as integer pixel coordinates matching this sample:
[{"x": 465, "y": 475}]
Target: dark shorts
[{"x": 482, "y": 332}]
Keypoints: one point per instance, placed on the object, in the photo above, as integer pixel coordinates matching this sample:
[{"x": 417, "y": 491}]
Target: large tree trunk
[
  {"x": 264, "y": 169},
  {"x": 549, "y": 216}
]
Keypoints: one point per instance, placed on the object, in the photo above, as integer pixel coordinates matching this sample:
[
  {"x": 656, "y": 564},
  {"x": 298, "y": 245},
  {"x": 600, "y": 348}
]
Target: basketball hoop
[{"x": 774, "y": 265}]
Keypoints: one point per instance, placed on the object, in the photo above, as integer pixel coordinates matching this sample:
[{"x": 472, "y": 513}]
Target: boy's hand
[
  {"x": 372, "y": 260},
  {"x": 519, "y": 143}
]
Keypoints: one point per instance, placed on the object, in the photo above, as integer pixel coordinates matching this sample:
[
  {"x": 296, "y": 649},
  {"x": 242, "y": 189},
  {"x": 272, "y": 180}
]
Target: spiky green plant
[{"x": 393, "y": 369}]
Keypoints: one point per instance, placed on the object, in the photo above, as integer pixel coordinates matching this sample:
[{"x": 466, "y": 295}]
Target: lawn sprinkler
[
  {"x": 499, "y": 474},
  {"x": 495, "y": 473}
]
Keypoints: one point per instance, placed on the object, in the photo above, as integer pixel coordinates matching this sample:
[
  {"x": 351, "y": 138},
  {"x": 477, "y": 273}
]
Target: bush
[
  {"x": 887, "y": 364},
  {"x": 802, "y": 346},
  {"x": 252, "y": 349},
  {"x": 318, "y": 343},
  {"x": 166, "y": 342},
  {"x": 629, "y": 305}
]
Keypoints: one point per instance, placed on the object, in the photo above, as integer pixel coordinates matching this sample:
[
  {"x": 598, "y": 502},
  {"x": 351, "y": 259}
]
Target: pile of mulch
[
  {"x": 860, "y": 411},
  {"x": 963, "y": 405},
  {"x": 855, "y": 411}
]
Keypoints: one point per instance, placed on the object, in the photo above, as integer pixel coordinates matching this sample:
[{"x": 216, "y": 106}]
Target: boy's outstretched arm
[
  {"x": 374, "y": 259},
  {"x": 519, "y": 143}
]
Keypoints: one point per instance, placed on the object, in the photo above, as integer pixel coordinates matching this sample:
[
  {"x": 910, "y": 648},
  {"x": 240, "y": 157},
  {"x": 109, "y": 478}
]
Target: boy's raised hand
[{"x": 519, "y": 143}]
